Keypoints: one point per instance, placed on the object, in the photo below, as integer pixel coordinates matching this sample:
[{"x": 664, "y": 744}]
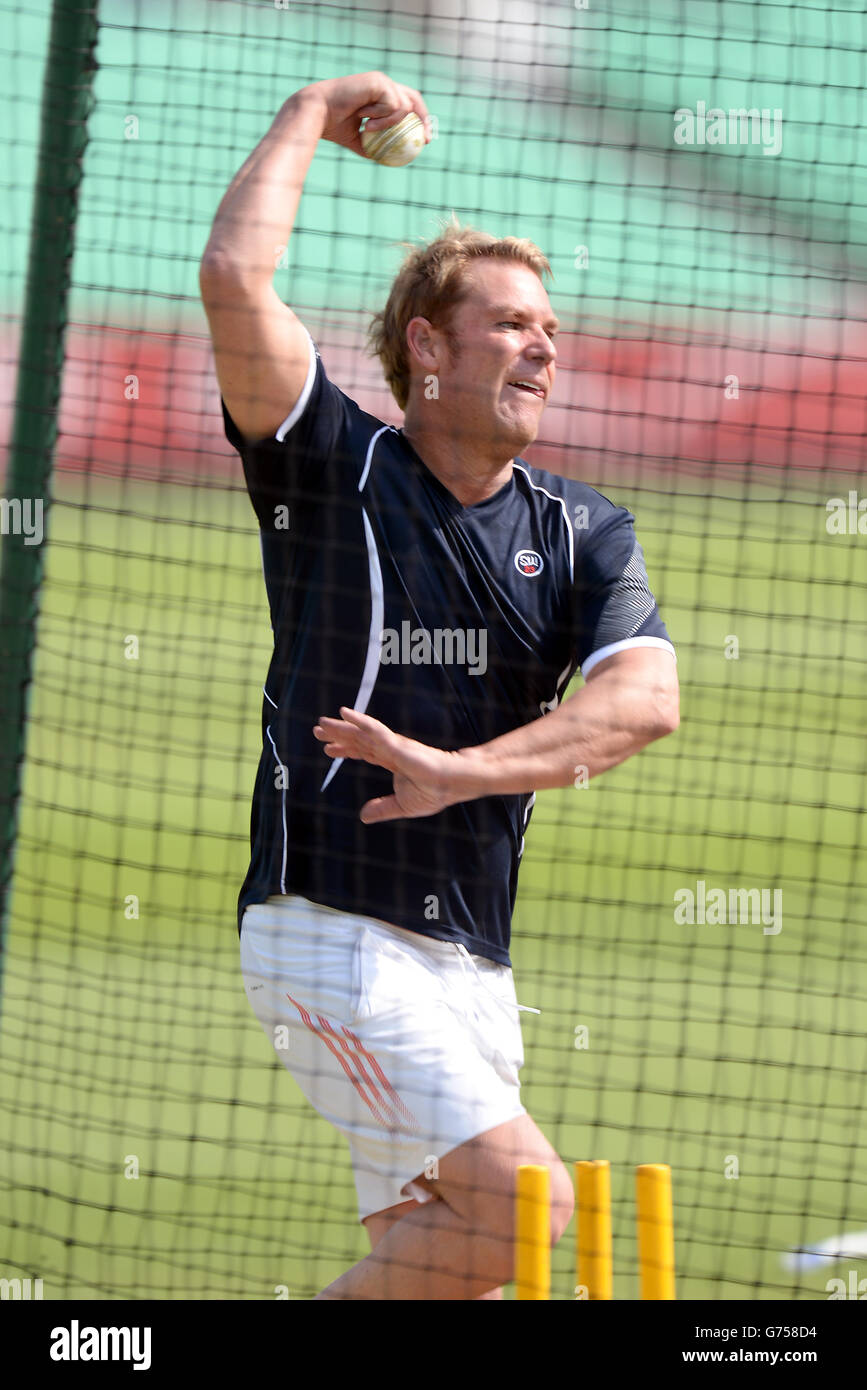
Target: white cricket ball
[{"x": 397, "y": 144}]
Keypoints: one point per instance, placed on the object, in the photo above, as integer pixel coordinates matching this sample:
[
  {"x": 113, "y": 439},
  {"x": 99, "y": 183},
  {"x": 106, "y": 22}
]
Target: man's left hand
[{"x": 424, "y": 778}]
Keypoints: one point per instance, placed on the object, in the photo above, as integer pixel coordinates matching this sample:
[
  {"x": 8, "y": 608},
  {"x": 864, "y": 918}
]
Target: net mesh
[{"x": 711, "y": 370}]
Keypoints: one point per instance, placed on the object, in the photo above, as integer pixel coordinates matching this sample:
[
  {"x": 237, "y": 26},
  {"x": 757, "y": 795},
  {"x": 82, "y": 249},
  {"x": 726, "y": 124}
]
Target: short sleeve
[
  {"x": 614, "y": 606},
  {"x": 307, "y": 457}
]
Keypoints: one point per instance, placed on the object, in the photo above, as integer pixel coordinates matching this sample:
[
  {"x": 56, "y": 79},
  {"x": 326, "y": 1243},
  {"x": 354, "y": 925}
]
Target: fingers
[
  {"x": 355, "y": 735},
  {"x": 350, "y": 722},
  {"x": 339, "y": 741},
  {"x": 338, "y": 750},
  {"x": 381, "y": 808},
  {"x": 386, "y": 115},
  {"x": 418, "y": 105},
  {"x": 354, "y": 716},
  {"x": 399, "y": 103},
  {"x": 389, "y": 105}
]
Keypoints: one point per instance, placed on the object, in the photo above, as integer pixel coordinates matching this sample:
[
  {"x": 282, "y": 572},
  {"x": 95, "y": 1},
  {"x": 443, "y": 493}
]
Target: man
[{"x": 431, "y": 597}]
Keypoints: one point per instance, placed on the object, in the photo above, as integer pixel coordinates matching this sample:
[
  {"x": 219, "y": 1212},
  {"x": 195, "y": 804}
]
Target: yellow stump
[
  {"x": 593, "y": 1261},
  {"x": 655, "y": 1230},
  {"x": 533, "y": 1232}
]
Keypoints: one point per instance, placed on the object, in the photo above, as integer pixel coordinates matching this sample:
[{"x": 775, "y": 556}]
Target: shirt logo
[{"x": 529, "y": 563}]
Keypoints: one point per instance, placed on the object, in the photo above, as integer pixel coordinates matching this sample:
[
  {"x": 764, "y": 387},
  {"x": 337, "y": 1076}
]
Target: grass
[{"x": 735, "y": 1056}]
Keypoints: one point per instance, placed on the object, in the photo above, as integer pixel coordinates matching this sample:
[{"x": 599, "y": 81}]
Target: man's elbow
[
  {"x": 666, "y": 711},
  {"x": 217, "y": 270}
]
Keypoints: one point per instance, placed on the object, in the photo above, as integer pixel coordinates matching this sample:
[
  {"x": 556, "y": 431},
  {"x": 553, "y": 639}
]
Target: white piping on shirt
[
  {"x": 377, "y": 605},
  {"x": 284, "y": 769},
  {"x": 301, "y": 403},
  {"x": 538, "y": 488},
  {"x": 374, "y": 640}
]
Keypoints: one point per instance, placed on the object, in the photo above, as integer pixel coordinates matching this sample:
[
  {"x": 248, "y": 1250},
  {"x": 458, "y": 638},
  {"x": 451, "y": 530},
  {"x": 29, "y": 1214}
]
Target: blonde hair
[{"x": 430, "y": 284}]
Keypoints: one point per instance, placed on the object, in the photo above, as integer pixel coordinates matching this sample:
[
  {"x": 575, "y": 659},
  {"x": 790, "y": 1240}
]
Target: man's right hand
[{"x": 348, "y": 100}]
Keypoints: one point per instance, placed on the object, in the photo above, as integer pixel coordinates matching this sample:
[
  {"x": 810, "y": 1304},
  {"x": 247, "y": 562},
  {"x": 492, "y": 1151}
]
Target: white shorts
[{"x": 407, "y": 1045}]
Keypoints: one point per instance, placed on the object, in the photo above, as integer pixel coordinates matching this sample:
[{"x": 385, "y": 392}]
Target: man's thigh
[
  {"x": 381, "y": 1222},
  {"x": 477, "y": 1179}
]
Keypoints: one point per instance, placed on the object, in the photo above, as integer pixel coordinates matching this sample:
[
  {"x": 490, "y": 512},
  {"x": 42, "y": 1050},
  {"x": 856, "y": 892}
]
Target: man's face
[{"x": 504, "y": 329}]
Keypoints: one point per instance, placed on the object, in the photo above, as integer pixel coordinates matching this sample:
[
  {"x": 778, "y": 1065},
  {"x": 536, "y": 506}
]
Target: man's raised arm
[{"x": 260, "y": 346}]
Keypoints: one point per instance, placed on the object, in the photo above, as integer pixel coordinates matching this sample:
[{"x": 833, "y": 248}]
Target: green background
[{"x": 133, "y": 1037}]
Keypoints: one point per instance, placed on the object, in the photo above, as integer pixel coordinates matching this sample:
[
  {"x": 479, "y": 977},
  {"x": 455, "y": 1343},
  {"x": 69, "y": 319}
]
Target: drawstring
[{"x": 463, "y": 952}]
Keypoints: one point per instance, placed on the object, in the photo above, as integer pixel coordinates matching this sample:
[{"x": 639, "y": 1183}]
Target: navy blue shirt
[{"x": 451, "y": 624}]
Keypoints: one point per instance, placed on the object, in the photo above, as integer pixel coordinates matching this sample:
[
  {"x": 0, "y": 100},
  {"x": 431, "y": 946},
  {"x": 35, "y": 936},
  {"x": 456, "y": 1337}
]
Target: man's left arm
[{"x": 629, "y": 700}]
